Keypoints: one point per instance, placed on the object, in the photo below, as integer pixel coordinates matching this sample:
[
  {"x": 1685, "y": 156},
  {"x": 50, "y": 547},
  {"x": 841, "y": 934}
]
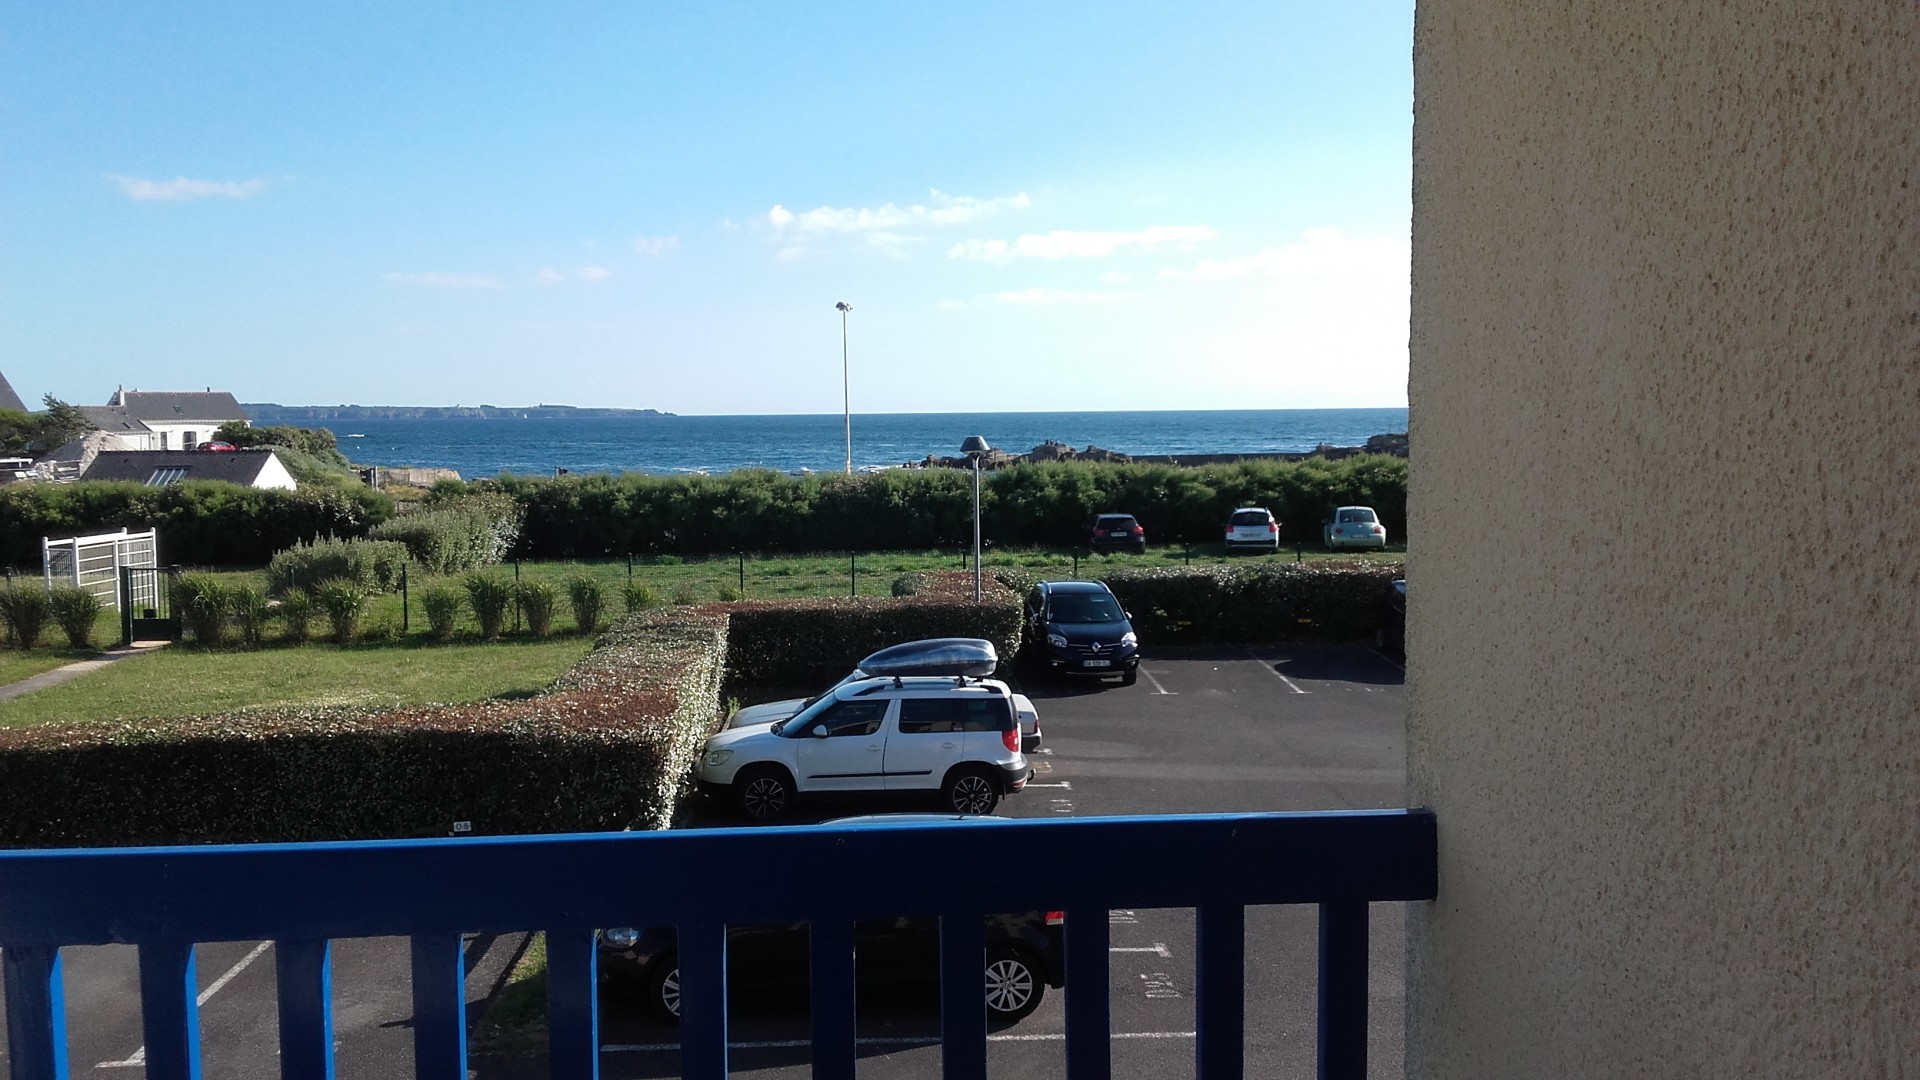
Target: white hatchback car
[
  {"x": 955, "y": 736},
  {"x": 1253, "y": 528},
  {"x": 1354, "y": 527}
]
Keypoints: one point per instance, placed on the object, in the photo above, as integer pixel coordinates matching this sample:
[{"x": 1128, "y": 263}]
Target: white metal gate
[{"x": 93, "y": 563}]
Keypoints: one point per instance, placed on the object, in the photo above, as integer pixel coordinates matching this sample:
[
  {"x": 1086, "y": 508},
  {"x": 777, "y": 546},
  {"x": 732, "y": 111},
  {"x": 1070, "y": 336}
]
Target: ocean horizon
[{"x": 669, "y": 444}]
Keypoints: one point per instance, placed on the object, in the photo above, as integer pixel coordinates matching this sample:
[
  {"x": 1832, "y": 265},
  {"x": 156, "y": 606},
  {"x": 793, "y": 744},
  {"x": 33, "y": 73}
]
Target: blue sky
[{"x": 1030, "y": 207}]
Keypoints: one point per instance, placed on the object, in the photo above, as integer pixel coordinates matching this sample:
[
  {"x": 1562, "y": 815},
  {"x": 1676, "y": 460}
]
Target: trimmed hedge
[
  {"x": 605, "y": 748},
  {"x": 1234, "y": 604}
]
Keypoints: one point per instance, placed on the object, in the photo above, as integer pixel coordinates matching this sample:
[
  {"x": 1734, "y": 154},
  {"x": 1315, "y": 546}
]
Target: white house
[
  {"x": 179, "y": 419},
  {"x": 160, "y": 468}
]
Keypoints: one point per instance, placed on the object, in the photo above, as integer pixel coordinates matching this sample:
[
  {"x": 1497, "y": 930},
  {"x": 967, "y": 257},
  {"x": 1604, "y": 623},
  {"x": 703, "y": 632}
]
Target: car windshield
[
  {"x": 1355, "y": 516},
  {"x": 1250, "y": 517},
  {"x": 1116, "y": 523},
  {"x": 1086, "y": 608}
]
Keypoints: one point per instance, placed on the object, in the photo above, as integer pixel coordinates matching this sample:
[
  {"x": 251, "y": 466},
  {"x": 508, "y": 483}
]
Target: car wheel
[
  {"x": 765, "y": 794},
  {"x": 970, "y": 791},
  {"x": 663, "y": 988},
  {"x": 1014, "y": 984}
]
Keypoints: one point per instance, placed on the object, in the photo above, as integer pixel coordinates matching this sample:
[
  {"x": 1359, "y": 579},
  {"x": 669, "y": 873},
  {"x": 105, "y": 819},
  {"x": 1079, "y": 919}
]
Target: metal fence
[{"x": 93, "y": 563}]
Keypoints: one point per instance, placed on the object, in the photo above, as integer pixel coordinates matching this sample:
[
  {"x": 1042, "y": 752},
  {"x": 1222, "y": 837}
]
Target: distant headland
[{"x": 269, "y": 413}]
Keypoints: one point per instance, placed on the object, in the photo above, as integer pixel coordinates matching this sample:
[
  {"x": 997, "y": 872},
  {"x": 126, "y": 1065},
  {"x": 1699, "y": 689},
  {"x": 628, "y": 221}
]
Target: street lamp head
[
  {"x": 975, "y": 447},
  {"x": 843, "y": 307}
]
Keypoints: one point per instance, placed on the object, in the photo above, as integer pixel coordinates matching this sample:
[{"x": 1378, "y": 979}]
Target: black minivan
[{"x": 1079, "y": 628}]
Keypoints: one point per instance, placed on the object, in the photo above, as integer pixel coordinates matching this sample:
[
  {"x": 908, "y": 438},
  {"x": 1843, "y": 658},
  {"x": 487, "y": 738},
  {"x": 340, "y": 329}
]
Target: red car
[{"x": 216, "y": 446}]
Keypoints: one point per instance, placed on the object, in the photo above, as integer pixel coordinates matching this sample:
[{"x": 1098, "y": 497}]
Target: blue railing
[{"x": 301, "y": 896}]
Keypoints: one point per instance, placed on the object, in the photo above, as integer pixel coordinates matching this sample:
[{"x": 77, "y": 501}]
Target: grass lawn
[
  {"x": 16, "y": 664},
  {"x": 188, "y": 681}
]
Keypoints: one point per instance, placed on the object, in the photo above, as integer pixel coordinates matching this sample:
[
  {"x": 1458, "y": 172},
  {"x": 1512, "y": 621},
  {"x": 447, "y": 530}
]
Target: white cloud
[
  {"x": 181, "y": 189},
  {"x": 1068, "y": 244},
  {"x": 656, "y": 245},
  {"x": 1115, "y": 277},
  {"x": 440, "y": 280},
  {"x": 595, "y": 273},
  {"x": 1322, "y": 254},
  {"x": 549, "y": 276},
  {"x": 940, "y": 210},
  {"x": 1062, "y": 297}
]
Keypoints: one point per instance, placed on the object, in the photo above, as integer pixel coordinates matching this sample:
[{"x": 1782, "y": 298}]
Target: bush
[
  {"x": 200, "y": 601},
  {"x": 372, "y": 566},
  {"x": 442, "y": 605},
  {"x": 491, "y": 597},
  {"x": 343, "y": 601},
  {"x": 589, "y": 600},
  {"x": 686, "y": 594},
  {"x": 637, "y": 596},
  {"x": 250, "y": 613},
  {"x": 538, "y": 601},
  {"x": 729, "y": 593},
  {"x": 27, "y": 610},
  {"x": 76, "y": 610},
  {"x": 454, "y": 536},
  {"x": 296, "y": 615},
  {"x": 1240, "y": 604}
]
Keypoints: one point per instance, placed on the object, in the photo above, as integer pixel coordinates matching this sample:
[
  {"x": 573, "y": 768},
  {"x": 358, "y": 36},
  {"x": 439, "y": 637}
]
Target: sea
[{"x": 667, "y": 444}]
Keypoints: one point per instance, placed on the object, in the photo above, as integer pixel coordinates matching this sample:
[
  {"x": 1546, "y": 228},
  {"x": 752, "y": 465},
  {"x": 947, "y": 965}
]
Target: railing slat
[
  {"x": 703, "y": 1001},
  {"x": 439, "y": 1008},
  {"x": 573, "y": 1014},
  {"x": 169, "y": 1011},
  {"x": 830, "y": 956},
  {"x": 305, "y": 979},
  {"x": 36, "y": 1012},
  {"x": 1343, "y": 990},
  {"x": 963, "y": 996},
  {"x": 1089, "y": 1010},
  {"x": 1220, "y": 996}
]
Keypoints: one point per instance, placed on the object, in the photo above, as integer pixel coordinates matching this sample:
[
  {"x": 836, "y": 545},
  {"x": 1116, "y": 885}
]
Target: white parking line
[
  {"x": 138, "y": 1059},
  {"x": 1157, "y": 688},
  {"x": 884, "y": 1040},
  {"x": 1062, "y": 784},
  {"x": 1157, "y": 948},
  {"x": 1275, "y": 672}
]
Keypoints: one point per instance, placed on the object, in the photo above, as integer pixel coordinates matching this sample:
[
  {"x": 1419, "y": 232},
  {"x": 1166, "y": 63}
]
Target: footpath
[{"x": 76, "y": 669}]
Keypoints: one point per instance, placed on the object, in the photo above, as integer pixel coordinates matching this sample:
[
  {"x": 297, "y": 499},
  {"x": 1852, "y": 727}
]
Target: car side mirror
[
  {"x": 819, "y": 732},
  {"x": 1128, "y": 614}
]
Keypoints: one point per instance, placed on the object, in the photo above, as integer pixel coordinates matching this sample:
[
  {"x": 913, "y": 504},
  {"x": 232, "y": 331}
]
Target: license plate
[
  {"x": 1099, "y": 663},
  {"x": 1121, "y": 532}
]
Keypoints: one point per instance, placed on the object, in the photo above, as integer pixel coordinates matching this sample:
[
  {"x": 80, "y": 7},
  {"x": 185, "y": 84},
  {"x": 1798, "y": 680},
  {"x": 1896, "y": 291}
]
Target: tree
[{"x": 59, "y": 425}]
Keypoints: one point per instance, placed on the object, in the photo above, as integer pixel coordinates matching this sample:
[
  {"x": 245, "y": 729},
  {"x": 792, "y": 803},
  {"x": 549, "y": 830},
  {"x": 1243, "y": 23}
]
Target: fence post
[
  {"x": 1187, "y": 547},
  {"x": 629, "y": 567},
  {"x": 1298, "y": 553},
  {"x": 1076, "y": 564},
  {"x": 743, "y": 573},
  {"x": 406, "y": 609},
  {"x": 853, "y": 574},
  {"x": 516, "y": 596},
  {"x": 126, "y": 607}
]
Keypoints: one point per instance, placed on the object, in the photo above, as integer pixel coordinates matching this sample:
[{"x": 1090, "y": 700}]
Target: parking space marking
[
  {"x": 1388, "y": 659},
  {"x": 1275, "y": 672},
  {"x": 885, "y": 1040},
  {"x": 1062, "y": 784},
  {"x": 1158, "y": 948},
  {"x": 1157, "y": 688},
  {"x": 138, "y": 1059}
]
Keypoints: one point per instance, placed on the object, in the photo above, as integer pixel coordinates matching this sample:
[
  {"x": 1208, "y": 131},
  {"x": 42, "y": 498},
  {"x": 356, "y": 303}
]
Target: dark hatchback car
[
  {"x": 1390, "y": 629},
  {"x": 1116, "y": 532},
  {"x": 1079, "y": 628},
  {"x": 1024, "y": 954}
]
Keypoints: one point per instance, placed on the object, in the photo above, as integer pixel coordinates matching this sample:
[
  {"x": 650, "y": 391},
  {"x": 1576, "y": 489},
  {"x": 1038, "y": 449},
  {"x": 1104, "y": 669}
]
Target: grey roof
[
  {"x": 178, "y": 406},
  {"x": 111, "y": 418},
  {"x": 9, "y": 399},
  {"x": 139, "y": 466}
]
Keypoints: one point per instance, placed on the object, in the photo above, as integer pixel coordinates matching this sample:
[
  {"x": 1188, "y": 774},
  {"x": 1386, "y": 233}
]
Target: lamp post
[
  {"x": 976, "y": 448},
  {"x": 846, "y": 387}
]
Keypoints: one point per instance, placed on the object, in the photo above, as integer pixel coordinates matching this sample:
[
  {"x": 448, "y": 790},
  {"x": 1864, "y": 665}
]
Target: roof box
[{"x": 935, "y": 656}]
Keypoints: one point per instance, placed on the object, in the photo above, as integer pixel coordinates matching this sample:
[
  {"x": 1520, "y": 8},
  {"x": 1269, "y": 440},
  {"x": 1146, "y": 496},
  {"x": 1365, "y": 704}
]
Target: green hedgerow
[
  {"x": 248, "y": 603},
  {"x": 27, "y": 611},
  {"x": 75, "y": 609},
  {"x": 538, "y": 600},
  {"x": 588, "y": 598},
  {"x": 638, "y": 596},
  {"x": 296, "y": 615},
  {"x": 200, "y": 600},
  {"x": 491, "y": 597},
  {"x": 343, "y": 602},
  {"x": 442, "y": 604}
]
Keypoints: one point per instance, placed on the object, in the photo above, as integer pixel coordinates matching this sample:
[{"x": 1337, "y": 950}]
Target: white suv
[{"x": 956, "y": 736}]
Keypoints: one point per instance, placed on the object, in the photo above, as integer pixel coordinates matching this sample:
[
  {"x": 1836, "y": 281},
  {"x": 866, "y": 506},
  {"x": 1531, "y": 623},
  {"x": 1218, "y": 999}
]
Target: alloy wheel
[
  {"x": 1010, "y": 986},
  {"x": 974, "y": 794}
]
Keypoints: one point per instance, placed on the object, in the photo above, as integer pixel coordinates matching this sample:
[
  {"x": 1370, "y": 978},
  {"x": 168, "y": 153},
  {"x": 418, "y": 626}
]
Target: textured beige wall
[{"x": 1664, "y": 643}]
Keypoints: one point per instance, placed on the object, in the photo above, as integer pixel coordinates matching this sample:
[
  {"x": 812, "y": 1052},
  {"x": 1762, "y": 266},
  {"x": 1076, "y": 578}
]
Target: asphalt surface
[{"x": 1204, "y": 730}]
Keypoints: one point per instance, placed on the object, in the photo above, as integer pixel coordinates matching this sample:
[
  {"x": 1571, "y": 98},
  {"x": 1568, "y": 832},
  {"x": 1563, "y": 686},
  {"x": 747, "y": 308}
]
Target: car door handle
[
  {"x": 874, "y": 749},
  {"x": 947, "y": 745}
]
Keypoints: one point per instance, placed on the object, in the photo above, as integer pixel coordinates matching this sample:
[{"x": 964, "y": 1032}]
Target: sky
[{"x": 1111, "y": 205}]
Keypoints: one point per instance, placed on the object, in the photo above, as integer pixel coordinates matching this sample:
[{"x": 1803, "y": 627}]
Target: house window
[
  {"x": 188, "y": 441},
  {"x": 164, "y": 436},
  {"x": 167, "y": 474}
]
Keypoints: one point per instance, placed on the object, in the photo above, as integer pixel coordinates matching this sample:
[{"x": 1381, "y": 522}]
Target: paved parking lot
[{"x": 1280, "y": 728}]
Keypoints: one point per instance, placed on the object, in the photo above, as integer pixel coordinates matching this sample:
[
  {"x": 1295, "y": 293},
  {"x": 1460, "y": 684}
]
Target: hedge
[
  {"x": 370, "y": 565},
  {"x": 604, "y": 748},
  {"x": 1236, "y": 604},
  {"x": 456, "y": 537}
]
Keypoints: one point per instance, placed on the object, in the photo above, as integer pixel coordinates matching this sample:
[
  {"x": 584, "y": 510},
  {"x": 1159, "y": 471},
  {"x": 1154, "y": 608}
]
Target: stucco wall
[{"x": 1664, "y": 637}]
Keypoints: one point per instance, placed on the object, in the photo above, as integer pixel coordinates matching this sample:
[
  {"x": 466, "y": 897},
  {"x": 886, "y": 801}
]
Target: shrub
[
  {"x": 343, "y": 601},
  {"x": 637, "y": 596},
  {"x": 249, "y": 606},
  {"x": 373, "y": 566},
  {"x": 538, "y": 601},
  {"x": 27, "y": 610},
  {"x": 442, "y": 605},
  {"x": 1238, "y": 604},
  {"x": 589, "y": 600},
  {"x": 729, "y": 593},
  {"x": 491, "y": 597},
  {"x": 686, "y": 594},
  {"x": 296, "y": 615},
  {"x": 453, "y": 536},
  {"x": 201, "y": 603},
  {"x": 76, "y": 610}
]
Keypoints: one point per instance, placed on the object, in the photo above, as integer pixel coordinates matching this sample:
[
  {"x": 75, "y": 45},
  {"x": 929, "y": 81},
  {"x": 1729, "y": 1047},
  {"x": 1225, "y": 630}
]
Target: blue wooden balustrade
[{"x": 301, "y": 896}]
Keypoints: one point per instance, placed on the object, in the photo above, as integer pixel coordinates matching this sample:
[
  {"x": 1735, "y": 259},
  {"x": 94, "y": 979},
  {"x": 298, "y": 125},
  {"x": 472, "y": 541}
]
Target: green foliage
[
  {"x": 201, "y": 523},
  {"x": 1238, "y": 604},
  {"x": 248, "y": 604},
  {"x": 296, "y": 615},
  {"x": 442, "y": 605},
  {"x": 26, "y": 610},
  {"x": 686, "y": 594},
  {"x": 637, "y": 596},
  {"x": 343, "y": 601},
  {"x": 55, "y": 426},
  {"x": 202, "y": 603},
  {"x": 76, "y": 610},
  {"x": 491, "y": 597},
  {"x": 452, "y": 537},
  {"x": 728, "y": 593},
  {"x": 372, "y": 566},
  {"x": 589, "y": 600},
  {"x": 538, "y": 601},
  {"x": 310, "y": 454}
]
